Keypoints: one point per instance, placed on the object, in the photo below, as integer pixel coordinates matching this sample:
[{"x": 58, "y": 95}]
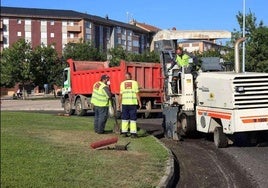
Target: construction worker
[
  {"x": 181, "y": 59},
  {"x": 101, "y": 98},
  {"x": 129, "y": 98}
]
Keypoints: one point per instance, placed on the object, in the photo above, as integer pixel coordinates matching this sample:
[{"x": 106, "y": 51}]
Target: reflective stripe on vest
[
  {"x": 128, "y": 89},
  {"x": 99, "y": 96}
]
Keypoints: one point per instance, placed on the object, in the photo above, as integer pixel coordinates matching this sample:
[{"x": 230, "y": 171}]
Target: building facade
[
  {"x": 60, "y": 27},
  {"x": 200, "y": 45}
]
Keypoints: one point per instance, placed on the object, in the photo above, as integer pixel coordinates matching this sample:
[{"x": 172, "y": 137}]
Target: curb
[{"x": 168, "y": 178}]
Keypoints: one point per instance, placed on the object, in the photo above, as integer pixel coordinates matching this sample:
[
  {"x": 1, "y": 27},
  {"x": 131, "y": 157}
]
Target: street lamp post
[{"x": 244, "y": 24}]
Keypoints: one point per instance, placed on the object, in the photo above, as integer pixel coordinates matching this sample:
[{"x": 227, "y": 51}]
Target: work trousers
[
  {"x": 100, "y": 118},
  {"x": 129, "y": 118}
]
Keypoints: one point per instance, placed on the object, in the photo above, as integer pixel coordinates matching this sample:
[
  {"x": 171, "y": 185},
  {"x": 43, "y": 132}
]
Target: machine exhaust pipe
[{"x": 237, "y": 62}]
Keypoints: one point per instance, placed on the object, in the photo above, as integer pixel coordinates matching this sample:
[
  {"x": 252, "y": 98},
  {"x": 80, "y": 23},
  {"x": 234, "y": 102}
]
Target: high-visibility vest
[
  {"x": 99, "y": 96},
  {"x": 182, "y": 61},
  {"x": 128, "y": 90}
]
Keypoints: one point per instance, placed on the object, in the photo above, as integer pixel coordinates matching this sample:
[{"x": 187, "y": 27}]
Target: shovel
[{"x": 116, "y": 125}]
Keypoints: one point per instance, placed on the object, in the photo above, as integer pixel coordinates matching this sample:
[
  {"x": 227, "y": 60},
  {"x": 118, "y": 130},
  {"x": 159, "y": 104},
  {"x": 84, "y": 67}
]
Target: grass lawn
[{"x": 46, "y": 150}]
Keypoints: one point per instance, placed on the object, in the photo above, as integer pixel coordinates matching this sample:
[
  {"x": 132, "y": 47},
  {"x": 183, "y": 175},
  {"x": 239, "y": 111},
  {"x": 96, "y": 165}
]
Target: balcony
[
  {"x": 73, "y": 40},
  {"x": 75, "y": 28}
]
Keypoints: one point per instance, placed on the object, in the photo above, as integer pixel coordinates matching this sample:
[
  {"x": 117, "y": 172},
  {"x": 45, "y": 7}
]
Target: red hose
[{"x": 104, "y": 142}]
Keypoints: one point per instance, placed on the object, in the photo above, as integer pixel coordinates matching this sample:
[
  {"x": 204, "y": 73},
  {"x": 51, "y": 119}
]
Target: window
[
  {"x": 71, "y": 23},
  {"x": 43, "y": 35},
  {"x": 18, "y": 21},
  {"x": 5, "y": 28},
  {"x": 88, "y": 36},
  {"x": 28, "y": 34},
  {"x": 118, "y": 29},
  {"x": 5, "y": 40},
  {"x": 64, "y": 36},
  {"x": 5, "y": 21},
  {"x": 88, "y": 30},
  {"x": 119, "y": 41},
  {"x": 19, "y": 34},
  {"x": 52, "y": 22},
  {"x": 52, "y": 35},
  {"x": 88, "y": 25},
  {"x": 27, "y": 22},
  {"x": 124, "y": 31},
  {"x": 43, "y": 23},
  {"x": 135, "y": 43}
]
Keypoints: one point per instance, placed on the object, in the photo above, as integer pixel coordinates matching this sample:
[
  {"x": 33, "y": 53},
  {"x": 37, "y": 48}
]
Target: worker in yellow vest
[
  {"x": 101, "y": 100},
  {"x": 181, "y": 59},
  {"x": 129, "y": 98}
]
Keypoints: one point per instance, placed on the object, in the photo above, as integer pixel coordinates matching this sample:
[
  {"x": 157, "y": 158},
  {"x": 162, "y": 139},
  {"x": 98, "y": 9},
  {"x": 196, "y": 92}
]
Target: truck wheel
[
  {"x": 187, "y": 124},
  {"x": 78, "y": 108},
  {"x": 220, "y": 139},
  {"x": 67, "y": 107},
  {"x": 148, "y": 106}
]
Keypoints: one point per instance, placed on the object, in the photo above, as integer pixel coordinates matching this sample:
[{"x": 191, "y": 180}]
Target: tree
[
  {"x": 116, "y": 55},
  {"x": 22, "y": 64},
  {"x": 15, "y": 64},
  {"x": 257, "y": 50},
  {"x": 256, "y": 43},
  {"x": 46, "y": 66},
  {"x": 83, "y": 51},
  {"x": 119, "y": 53}
]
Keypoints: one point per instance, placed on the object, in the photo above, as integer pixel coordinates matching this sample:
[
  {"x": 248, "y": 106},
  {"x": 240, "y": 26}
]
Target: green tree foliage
[
  {"x": 144, "y": 57},
  {"x": 83, "y": 51},
  {"x": 257, "y": 50},
  {"x": 116, "y": 54},
  {"x": 22, "y": 64},
  {"x": 256, "y": 43},
  {"x": 15, "y": 64},
  {"x": 46, "y": 66}
]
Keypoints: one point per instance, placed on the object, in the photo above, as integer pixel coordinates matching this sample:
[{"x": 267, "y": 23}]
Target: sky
[{"x": 183, "y": 15}]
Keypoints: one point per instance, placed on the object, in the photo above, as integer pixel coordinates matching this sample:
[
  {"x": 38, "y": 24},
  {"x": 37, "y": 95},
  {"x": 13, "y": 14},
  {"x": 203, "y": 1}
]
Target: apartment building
[
  {"x": 200, "y": 45},
  {"x": 59, "y": 27}
]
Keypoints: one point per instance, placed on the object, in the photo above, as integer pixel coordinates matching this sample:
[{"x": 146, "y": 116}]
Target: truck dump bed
[{"x": 85, "y": 73}]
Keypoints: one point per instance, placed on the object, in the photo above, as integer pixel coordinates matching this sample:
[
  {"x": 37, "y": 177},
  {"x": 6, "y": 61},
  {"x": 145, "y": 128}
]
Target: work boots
[{"x": 134, "y": 135}]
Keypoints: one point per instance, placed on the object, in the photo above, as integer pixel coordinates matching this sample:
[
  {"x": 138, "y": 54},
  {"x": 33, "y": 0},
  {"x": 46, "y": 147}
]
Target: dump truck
[
  {"x": 80, "y": 76},
  {"x": 223, "y": 103}
]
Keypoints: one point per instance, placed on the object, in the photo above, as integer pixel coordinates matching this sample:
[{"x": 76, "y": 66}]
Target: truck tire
[
  {"x": 67, "y": 107},
  {"x": 78, "y": 108},
  {"x": 220, "y": 139},
  {"x": 187, "y": 123}
]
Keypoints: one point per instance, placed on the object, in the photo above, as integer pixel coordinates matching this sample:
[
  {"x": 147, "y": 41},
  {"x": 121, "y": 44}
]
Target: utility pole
[{"x": 244, "y": 25}]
